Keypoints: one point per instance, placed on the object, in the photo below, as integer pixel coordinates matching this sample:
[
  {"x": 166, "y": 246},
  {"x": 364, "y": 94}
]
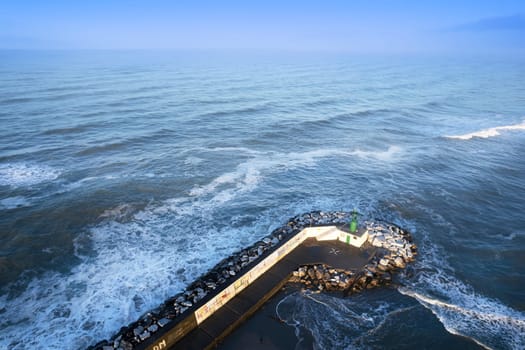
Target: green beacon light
[{"x": 353, "y": 223}]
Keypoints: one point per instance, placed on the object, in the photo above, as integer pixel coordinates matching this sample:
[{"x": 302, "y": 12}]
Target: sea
[{"x": 125, "y": 175}]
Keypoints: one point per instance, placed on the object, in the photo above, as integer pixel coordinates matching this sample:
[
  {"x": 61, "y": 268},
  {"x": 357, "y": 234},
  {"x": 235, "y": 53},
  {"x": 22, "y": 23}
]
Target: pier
[{"x": 319, "y": 250}]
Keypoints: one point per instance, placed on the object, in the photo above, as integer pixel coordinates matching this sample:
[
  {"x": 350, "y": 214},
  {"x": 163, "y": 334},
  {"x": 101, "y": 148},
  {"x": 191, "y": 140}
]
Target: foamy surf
[
  {"x": 141, "y": 259},
  {"x": 335, "y": 322},
  {"x": 250, "y": 173},
  {"x": 21, "y": 174},
  {"x": 130, "y": 274},
  {"x": 491, "y": 132},
  {"x": 463, "y": 312}
]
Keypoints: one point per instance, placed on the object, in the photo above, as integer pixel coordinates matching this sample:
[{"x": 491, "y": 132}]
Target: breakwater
[
  {"x": 395, "y": 250},
  {"x": 392, "y": 249}
]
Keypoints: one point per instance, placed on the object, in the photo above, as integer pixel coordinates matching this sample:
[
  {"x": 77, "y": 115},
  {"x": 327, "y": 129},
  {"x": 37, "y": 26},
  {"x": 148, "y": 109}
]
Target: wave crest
[
  {"x": 463, "y": 312},
  {"x": 491, "y": 132}
]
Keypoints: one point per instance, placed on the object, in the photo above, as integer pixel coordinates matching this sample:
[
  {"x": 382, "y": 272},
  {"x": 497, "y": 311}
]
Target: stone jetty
[{"x": 393, "y": 249}]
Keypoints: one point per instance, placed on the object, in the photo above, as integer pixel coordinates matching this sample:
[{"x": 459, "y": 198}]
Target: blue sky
[{"x": 348, "y": 26}]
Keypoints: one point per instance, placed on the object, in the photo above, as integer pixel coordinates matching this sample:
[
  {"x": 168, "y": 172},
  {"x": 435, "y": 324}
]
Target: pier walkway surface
[{"x": 335, "y": 254}]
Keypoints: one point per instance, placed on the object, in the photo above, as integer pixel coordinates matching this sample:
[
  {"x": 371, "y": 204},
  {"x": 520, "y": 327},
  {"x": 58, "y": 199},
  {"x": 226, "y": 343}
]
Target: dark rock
[
  {"x": 145, "y": 335},
  {"x": 186, "y": 303},
  {"x": 163, "y": 321},
  {"x": 311, "y": 273},
  {"x": 137, "y": 331}
]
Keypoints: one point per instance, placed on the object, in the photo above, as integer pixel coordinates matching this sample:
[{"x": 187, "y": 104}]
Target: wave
[
  {"x": 68, "y": 130},
  {"x": 237, "y": 111},
  {"x": 247, "y": 175},
  {"x": 21, "y": 174},
  {"x": 118, "y": 144},
  {"x": 339, "y": 323},
  {"x": 134, "y": 266},
  {"x": 14, "y": 202},
  {"x": 491, "y": 132},
  {"x": 390, "y": 154},
  {"x": 460, "y": 309},
  {"x": 129, "y": 270},
  {"x": 485, "y": 321}
]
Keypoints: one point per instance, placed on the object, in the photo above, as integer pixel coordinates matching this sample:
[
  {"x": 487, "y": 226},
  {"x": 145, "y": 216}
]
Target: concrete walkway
[{"x": 333, "y": 253}]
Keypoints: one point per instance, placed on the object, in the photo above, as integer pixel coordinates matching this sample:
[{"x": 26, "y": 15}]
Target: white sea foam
[
  {"x": 334, "y": 322},
  {"x": 14, "y": 202},
  {"x": 21, "y": 174},
  {"x": 118, "y": 213},
  {"x": 390, "y": 154},
  {"x": 138, "y": 265},
  {"x": 193, "y": 161},
  {"x": 490, "y": 132},
  {"x": 145, "y": 258},
  {"x": 247, "y": 175},
  {"x": 460, "y": 309},
  {"x": 512, "y": 236},
  {"x": 486, "y": 321}
]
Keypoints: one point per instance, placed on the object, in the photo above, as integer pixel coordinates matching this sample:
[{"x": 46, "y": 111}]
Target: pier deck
[{"x": 333, "y": 253}]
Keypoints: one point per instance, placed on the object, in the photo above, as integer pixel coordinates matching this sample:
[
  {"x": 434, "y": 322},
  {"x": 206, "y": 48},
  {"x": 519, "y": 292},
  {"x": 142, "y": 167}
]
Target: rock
[
  {"x": 107, "y": 347},
  {"x": 137, "y": 331},
  {"x": 163, "y": 321},
  {"x": 116, "y": 342},
  {"x": 266, "y": 240},
  {"x": 383, "y": 267},
  {"x": 397, "y": 243},
  {"x": 361, "y": 281},
  {"x": 301, "y": 272},
  {"x": 260, "y": 251},
  {"x": 319, "y": 274},
  {"x": 126, "y": 345},
  {"x": 147, "y": 321},
  {"x": 311, "y": 273},
  {"x": 383, "y": 262},
  {"x": 399, "y": 262},
  {"x": 186, "y": 303},
  {"x": 275, "y": 241},
  {"x": 145, "y": 335},
  {"x": 153, "y": 328}
]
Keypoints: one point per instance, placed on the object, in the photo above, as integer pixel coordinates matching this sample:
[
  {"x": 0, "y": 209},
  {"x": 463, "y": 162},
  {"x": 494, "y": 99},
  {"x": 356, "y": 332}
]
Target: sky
[{"x": 384, "y": 26}]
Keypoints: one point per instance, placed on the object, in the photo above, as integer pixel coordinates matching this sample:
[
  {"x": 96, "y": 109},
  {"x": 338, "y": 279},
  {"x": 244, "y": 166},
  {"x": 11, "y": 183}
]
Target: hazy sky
[{"x": 352, "y": 26}]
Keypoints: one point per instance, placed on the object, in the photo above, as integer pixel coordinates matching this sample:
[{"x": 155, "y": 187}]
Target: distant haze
[{"x": 346, "y": 26}]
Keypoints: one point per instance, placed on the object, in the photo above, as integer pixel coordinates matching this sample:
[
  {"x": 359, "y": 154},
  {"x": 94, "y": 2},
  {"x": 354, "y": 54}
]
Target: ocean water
[{"x": 125, "y": 175}]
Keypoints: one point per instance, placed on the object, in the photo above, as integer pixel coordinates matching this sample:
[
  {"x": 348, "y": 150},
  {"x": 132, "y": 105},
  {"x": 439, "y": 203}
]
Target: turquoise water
[{"x": 125, "y": 175}]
